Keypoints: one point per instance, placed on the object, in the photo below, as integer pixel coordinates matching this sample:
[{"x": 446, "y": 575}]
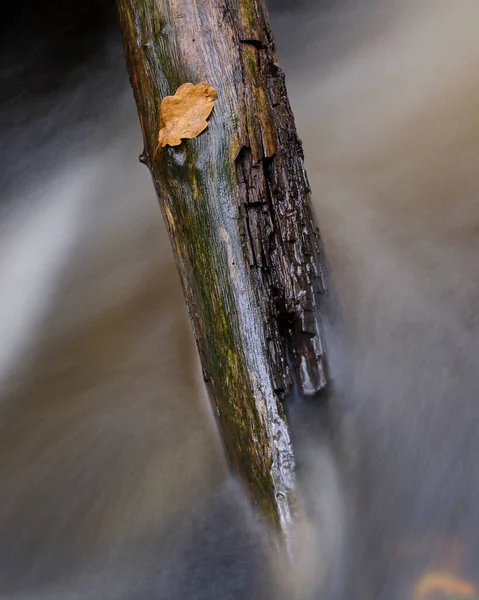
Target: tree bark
[{"x": 236, "y": 203}]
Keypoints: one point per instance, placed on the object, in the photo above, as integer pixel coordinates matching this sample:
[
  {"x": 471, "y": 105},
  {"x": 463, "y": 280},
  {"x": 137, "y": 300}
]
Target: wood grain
[{"x": 236, "y": 202}]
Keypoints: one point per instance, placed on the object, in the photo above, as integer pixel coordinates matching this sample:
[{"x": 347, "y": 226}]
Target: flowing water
[{"x": 112, "y": 479}]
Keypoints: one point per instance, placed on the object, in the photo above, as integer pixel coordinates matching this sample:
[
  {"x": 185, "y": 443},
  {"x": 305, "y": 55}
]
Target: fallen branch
[{"x": 236, "y": 202}]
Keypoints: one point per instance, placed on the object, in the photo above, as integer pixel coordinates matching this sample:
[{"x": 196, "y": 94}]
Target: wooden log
[{"x": 236, "y": 203}]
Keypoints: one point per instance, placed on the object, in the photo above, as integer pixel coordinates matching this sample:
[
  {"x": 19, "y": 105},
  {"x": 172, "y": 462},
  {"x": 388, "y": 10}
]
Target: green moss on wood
[{"x": 230, "y": 198}]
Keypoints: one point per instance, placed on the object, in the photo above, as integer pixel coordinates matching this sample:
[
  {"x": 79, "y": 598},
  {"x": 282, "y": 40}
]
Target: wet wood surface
[{"x": 236, "y": 203}]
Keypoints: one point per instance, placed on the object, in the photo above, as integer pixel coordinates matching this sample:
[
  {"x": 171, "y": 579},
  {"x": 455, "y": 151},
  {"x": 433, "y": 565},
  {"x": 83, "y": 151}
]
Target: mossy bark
[{"x": 236, "y": 203}]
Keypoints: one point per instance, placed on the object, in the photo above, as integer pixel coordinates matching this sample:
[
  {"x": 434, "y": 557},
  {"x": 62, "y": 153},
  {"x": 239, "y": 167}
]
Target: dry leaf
[
  {"x": 442, "y": 583},
  {"x": 184, "y": 114}
]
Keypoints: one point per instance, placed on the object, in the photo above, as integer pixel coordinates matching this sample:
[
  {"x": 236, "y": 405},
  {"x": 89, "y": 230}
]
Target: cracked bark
[{"x": 236, "y": 203}]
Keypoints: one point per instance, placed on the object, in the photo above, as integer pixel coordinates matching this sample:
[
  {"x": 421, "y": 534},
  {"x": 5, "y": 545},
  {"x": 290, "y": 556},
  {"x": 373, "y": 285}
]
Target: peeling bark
[{"x": 236, "y": 202}]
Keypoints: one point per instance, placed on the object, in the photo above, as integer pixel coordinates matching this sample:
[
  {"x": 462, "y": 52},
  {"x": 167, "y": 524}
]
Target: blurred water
[
  {"x": 112, "y": 480},
  {"x": 386, "y": 105}
]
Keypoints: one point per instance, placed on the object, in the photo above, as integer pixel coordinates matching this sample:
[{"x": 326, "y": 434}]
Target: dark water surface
[{"x": 112, "y": 480}]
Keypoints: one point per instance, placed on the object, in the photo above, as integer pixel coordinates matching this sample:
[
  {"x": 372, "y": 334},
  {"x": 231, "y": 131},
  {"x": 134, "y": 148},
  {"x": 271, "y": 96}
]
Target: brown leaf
[
  {"x": 442, "y": 583},
  {"x": 184, "y": 114}
]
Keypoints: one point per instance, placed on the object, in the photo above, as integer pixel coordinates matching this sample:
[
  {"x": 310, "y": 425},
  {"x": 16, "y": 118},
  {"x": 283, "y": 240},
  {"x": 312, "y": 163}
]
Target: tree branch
[{"x": 236, "y": 202}]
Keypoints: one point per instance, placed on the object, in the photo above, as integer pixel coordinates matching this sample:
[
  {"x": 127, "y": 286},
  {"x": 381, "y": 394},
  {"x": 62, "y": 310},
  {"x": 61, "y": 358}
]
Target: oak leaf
[{"x": 184, "y": 115}]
